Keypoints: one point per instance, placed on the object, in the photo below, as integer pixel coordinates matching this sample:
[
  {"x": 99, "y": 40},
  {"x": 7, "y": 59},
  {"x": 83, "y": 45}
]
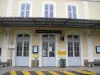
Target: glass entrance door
[
  {"x": 22, "y": 50},
  {"x": 74, "y": 58},
  {"x": 48, "y": 50}
]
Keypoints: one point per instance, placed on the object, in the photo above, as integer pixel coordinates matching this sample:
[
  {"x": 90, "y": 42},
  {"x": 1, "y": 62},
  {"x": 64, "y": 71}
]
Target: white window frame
[
  {"x": 43, "y": 8},
  {"x": 25, "y": 2},
  {"x": 72, "y": 4}
]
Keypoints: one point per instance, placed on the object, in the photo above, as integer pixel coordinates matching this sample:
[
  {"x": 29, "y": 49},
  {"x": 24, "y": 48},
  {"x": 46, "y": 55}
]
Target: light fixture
[{"x": 62, "y": 37}]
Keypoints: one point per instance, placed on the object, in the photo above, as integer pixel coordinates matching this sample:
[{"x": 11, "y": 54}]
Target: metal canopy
[{"x": 48, "y": 22}]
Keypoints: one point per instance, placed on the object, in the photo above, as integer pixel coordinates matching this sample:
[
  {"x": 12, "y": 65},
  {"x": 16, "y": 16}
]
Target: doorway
[
  {"x": 74, "y": 57},
  {"x": 48, "y": 50}
]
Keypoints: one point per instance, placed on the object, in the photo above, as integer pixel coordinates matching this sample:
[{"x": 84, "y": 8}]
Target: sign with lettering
[
  {"x": 62, "y": 53},
  {"x": 11, "y": 46}
]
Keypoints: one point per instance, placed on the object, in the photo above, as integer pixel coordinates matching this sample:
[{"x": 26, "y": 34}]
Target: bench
[
  {"x": 96, "y": 62},
  {"x": 3, "y": 64}
]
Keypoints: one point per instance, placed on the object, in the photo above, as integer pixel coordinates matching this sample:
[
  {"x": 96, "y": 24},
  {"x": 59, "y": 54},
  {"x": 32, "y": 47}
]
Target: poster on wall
[
  {"x": 98, "y": 49},
  {"x": 62, "y": 51},
  {"x": 35, "y": 49},
  {"x": 11, "y": 46}
]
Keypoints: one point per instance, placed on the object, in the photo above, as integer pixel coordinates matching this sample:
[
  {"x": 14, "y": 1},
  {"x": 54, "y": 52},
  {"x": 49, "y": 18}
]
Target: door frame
[
  {"x": 30, "y": 46},
  {"x": 40, "y": 48},
  {"x": 81, "y": 45}
]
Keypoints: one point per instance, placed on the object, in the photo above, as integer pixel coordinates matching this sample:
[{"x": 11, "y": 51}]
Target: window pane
[
  {"x": 70, "y": 49},
  {"x": 76, "y": 38},
  {"x": 51, "y": 14},
  {"x": 52, "y": 37},
  {"x": 23, "y": 7},
  {"x": 27, "y": 13},
  {"x": 69, "y": 15},
  {"x": 45, "y": 37},
  {"x": 26, "y": 36},
  {"x": 20, "y": 36},
  {"x": 74, "y": 9},
  {"x": 76, "y": 48},
  {"x": 44, "y": 53},
  {"x": 26, "y": 48},
  {"x": 27, "y": 6},
  {"x": 26, "y": 52},
  {"x": 77, "y": 54},
  {"x": 45, "y": 49},
  {"x": 69, "y": 8},
  {"x": 51, "y": 54},
  {"x": 46, "y": 13},
  {"x": 19, "y": 48},
  {"x": 46, "y": 7},
  {"x": 22, "y": 14},
  {"x": 51, "y": 7},
  {"x": 69, "y": 37},
  {"x": 74, "y": 15}
]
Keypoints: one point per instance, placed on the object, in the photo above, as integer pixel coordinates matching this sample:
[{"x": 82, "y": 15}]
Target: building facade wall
[
  {"x": 1, "y": 40},
  {"x": 36, "y": 39},
  {"x": 59, "y": 5},
  {"x": 61, "y": 8},
  {"x": 3, "y": 7},
  {"x": 94, "y": 10},
  {"x": 61, "y": 12},
  {"x": 96, "y": 42}
]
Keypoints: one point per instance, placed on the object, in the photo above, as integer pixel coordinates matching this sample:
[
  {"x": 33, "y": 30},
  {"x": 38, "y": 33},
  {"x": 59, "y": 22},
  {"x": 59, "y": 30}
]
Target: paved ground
[
  {"x": 44, "y": 69},
  {"x": 79, "y": 72}
]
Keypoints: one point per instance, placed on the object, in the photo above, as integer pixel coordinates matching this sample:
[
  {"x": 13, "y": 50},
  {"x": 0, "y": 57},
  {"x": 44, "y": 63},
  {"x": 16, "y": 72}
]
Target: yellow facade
[
  {"x": 36, "y": 37},
  {"x": 61, "y": 9},
  {"x": 59, "y": 5},
  {"x": 3, "y": 8},
  {"x": 92, "y": 10}
]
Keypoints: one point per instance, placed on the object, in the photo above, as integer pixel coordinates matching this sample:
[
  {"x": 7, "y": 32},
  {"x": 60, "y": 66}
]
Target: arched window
[{"x": 23, "y": 36}]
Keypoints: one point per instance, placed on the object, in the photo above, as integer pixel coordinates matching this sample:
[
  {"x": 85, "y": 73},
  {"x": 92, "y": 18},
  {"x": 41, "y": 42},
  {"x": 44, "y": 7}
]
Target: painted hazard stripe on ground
[
  {"x": 68, "y": 73},
  {"x": 53, "y": 73},
  {"x": 33, "y": 73},
  {"x": 78, "y": 72},
  {"x": 46, "y": 73},
  {"x": 40, "y": 73},
  {"x": 61, "y": 73},
  {"x": 12, "y": 72},
  {"x": 19, "y": 73},
  {"x": 26, "y": 73},
  {"x": 86, "y": 72},
  {"x": 7, "y": 73}
]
